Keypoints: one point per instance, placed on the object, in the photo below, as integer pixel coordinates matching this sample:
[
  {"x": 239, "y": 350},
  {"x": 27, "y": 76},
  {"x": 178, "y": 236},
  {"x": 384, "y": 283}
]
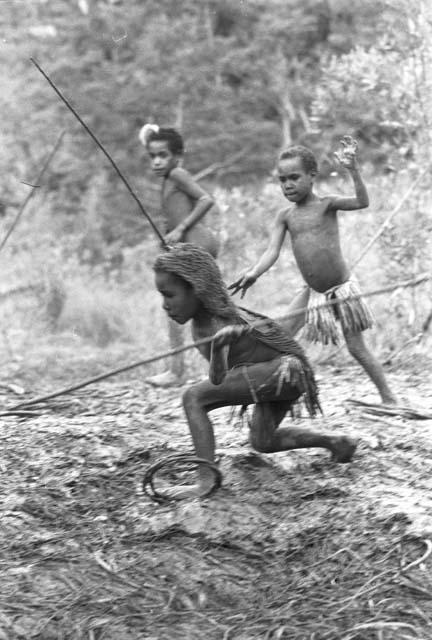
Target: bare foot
[
  {"x": 165, "y": 379},
  {"x": 343, "y": 449}
]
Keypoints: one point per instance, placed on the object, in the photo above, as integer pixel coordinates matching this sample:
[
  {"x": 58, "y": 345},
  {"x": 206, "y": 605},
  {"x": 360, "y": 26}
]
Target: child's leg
[
  {"x": 294, "y": 324},
  {"x": 265, "y": 436},
  {"x": 174, "y": 375},
  {"x": 358, "y": 349},
  {"x": 241, "y": 386},
  {"x": 236, "y": 389}
]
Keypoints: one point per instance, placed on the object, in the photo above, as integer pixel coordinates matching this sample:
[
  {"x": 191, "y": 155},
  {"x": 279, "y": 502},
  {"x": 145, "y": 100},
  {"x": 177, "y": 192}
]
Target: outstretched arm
[
  {"x": 219, "y": 351},
  {"x": 268, "y": 258},
  {"x": 204, "y": 202},
  {"x": 346, "y": 156}
]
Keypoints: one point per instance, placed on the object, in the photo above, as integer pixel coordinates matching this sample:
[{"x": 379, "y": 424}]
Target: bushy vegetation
[{"x": 240, "y": 80}]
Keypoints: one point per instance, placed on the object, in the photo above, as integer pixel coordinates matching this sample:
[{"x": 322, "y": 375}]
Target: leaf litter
[{"x": 292, "y": 546}]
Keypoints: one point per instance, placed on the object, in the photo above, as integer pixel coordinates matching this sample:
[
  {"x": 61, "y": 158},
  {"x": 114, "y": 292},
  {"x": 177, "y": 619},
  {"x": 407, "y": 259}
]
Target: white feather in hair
[{"x": 145, "y": 132}]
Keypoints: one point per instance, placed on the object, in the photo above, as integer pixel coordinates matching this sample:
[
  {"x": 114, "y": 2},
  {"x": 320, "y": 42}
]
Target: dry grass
[{"x": 292, "y": 547}]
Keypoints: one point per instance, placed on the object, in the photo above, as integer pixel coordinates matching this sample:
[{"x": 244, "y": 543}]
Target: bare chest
[{"x": 312, "y": 219}]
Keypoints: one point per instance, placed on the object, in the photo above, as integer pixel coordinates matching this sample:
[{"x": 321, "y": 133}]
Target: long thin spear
[
  {"x": 104, "y": 151},
  {"x": 33, "y": 189}
]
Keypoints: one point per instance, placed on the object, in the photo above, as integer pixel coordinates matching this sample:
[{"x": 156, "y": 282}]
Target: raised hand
[
  {"x": 346, "y": 154},
  {"x": 174, "y": 236},
  {"x": 243, "y": 283},
  {"x": 228, "y": 335}
]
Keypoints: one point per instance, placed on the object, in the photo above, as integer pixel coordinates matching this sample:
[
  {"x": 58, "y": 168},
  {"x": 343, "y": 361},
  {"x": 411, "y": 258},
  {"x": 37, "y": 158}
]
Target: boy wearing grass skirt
[
  {"x": 252, "y": 360},
  {"x": 312, "y": 223}
]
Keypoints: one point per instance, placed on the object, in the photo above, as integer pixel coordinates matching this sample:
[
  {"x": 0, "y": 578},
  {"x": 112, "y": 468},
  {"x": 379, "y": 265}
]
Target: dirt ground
[{"x": 292, "y": 546}]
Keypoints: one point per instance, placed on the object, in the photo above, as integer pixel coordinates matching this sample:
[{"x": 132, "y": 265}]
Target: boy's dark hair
[
  {"x": 306, "y": 156},
  {"x": 169, "y": 135}
]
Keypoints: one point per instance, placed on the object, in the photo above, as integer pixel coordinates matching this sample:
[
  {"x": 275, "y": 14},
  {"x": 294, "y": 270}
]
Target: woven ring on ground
[{"x": 184, "y": 462}]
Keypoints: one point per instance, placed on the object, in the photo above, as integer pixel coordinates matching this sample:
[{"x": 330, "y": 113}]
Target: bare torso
[
  {"x": 245, "y": 350},
  {"x": 314, "y": 232},
  {"x": 176, "y": 206}
]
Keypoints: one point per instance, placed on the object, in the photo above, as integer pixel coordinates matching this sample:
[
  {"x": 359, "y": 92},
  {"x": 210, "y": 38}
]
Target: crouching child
[{"x": 249, "y": 363}]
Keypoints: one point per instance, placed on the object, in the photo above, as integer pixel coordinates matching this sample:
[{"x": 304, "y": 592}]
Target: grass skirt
[{"x": 350, "y": 314}]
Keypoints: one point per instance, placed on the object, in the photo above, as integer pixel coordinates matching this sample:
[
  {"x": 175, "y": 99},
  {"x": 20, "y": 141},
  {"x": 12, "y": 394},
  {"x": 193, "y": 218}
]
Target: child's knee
[
  {"x": 361, "y": 353},
  {"x": 189, "y": 397},
  {"x": 193, "y": 397},
  {"x": 355, "y": 344}
]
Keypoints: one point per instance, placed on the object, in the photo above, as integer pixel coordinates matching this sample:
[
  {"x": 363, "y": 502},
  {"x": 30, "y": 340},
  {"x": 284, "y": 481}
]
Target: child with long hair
[{"x": 252, "y": 361}]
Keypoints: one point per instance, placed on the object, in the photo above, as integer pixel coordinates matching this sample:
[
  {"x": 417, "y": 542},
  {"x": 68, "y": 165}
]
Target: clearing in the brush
[
  {"x": 312, "y": 223},
  {"x": 259, "y": 365}
]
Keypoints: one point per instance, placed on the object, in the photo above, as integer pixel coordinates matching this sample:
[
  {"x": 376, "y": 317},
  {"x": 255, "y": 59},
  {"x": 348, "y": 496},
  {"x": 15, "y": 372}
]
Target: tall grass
[{"x": 80, "y": 312}]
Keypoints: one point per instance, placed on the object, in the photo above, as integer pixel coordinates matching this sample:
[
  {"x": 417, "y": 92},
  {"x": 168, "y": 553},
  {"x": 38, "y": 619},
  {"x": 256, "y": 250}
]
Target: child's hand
[
  {"x": 346, "y": 155},
  {"x": 175, "y": 235},
  {"x": 228, "y": 335},
  {"x": 243, "y": 283}
]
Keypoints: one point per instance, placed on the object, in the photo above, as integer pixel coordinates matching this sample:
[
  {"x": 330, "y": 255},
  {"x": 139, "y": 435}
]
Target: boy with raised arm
[
  {"x": 312, "y": 223},
  {"x": 259, "y": 365}
]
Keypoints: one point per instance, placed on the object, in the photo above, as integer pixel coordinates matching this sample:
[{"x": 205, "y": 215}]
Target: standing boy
[
  {"x": 312, "y": 223},
  {"x": 189, "y": 215}
]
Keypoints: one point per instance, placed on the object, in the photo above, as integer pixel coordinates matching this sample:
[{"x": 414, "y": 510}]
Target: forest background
[{"x": 241, "y": 80}]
